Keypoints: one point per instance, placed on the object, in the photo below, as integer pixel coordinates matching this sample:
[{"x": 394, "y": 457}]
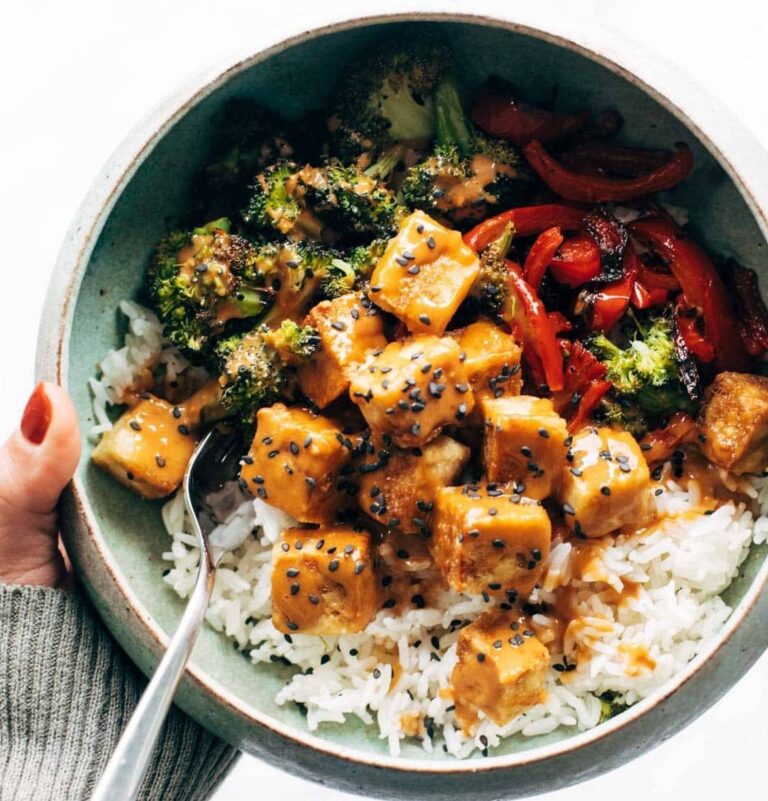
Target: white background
[{"x": 77, "y": 75}]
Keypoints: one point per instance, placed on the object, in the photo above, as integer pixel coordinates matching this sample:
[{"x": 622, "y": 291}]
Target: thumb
[{"x": 36, "y": 463}]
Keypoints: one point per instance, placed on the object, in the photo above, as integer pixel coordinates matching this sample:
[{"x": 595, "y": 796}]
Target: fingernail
[{"x": 37, "y": 416}]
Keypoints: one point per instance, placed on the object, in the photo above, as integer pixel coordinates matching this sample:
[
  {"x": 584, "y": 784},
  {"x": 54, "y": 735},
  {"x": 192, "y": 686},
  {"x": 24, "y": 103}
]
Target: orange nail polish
[{"x": 37, "y": 415}]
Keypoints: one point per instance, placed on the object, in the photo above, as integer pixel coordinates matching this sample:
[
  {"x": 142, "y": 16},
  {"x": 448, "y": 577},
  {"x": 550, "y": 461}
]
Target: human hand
[{"x": 36, "y": 463}]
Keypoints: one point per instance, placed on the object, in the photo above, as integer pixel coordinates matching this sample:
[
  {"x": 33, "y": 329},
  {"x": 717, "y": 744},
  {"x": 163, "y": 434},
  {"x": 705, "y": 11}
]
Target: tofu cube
[
  {"x": 148, "y": 448},
  {"x": 348, "y": 333},
  {"x": 502, "y": 669},
  {"x": 492, "y": 359},
  {"x": 401, "y": 492},
  {"x": 607, "y": 483},
  {"x": 294, "y": 463},
  {"x": 424, "y": 275},
  {"x": 484, "y": 540},
  {"x": 524, "y": 442},
  {"x": 324, "y": 580},
  {"x": 734, "y": 421},
  {"x": 412, "y": 389}
]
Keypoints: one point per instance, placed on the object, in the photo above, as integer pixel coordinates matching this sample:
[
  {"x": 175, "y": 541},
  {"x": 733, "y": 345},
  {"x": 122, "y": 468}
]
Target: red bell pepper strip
[
  {"x": 527, "y": 220},
  {"x": 589, "y": 400},
  {"x": 577, "y": 261},
  {"x": 645, "y": 298},
  {"x": 561, "y": 323},
  {"x": 694, "y": 341},
  {"x": 608, "y": 304},
  {"x": 654, "y": 279},
  {"x": 753, "y": 315},
  {"x": 601, "y": 157},
  {"x": 702, "y": 287},
  {"x": 599, "y": 189},
  {"x": 584, "y": 386},
  {"x": 499, "y": 114},
  {"x": 537, "y": 329},
  {"x": 658, "y": 445},
  {"x": 540, "y": 255}
]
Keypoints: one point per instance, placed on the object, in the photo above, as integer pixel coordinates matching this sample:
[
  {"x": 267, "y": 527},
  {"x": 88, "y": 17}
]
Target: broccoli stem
[
  {"x": 451, "y": 124},
  {"x": 382, "y": 169}
]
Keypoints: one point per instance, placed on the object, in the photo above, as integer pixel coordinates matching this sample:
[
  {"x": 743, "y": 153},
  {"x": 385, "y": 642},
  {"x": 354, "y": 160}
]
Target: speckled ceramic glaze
[{"x": 116, "y": 540}]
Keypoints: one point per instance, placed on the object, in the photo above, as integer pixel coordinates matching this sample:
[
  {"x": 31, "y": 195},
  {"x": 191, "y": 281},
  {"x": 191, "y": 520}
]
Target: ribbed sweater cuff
[{"x": 66, "y": 693}]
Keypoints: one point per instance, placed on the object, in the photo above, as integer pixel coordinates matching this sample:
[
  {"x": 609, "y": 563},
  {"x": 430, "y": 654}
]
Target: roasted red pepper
[
  {"x": 608, "y": 304},
  {"x": 753, "y": 315},
  {"x": 599, "y": 189},
  {"x": 588, "y": 403},
  {"x": 577, "y": 261},
  {"x": 660, "y": 444},
  {"x": 499, "y": 114},
  {"x": 702, "y": 287},
  {"x": 527, "y": 221},
  {"x": 584, "y": 386},
  {"x": 694, "y": 341},
  {"x": 538, "y": 332},
  {"x": 601, "y": 158},
  {"x": 655, "y": 279},
  {"x": 540, "y": 255},
  {"x": 645, "y": 298},
  {"x": 611, "y": 238}
]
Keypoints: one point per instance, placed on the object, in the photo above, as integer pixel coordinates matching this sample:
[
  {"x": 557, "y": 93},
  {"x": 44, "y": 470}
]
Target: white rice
[{"x": 676, "y": 571}]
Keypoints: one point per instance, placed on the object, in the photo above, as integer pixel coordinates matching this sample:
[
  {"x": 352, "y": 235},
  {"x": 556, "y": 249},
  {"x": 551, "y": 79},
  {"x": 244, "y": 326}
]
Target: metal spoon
[{"x": 213, "y": 464}]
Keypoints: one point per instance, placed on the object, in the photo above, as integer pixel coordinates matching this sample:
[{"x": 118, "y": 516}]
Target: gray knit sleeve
[{"x": 66, "y": 692}]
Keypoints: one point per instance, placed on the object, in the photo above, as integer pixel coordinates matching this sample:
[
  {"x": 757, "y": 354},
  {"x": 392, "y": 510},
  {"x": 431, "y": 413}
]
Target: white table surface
[{"x": 77, "y": 75}]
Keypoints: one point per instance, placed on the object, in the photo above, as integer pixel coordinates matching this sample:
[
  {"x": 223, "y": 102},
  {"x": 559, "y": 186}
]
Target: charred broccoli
[
  {"x": 468, "y": 175},
  {"x": 258, "y": 367},
  {"x": 276, "y": 201},
  {"x": 323, "y": 203},
  {"x": 198, "y": 281},
  {"x": 491, "y": 289},
  {"x": 645, "y": 373},
  {"x": 385, "y": 100},
  {"x": 249, "y": 138}
]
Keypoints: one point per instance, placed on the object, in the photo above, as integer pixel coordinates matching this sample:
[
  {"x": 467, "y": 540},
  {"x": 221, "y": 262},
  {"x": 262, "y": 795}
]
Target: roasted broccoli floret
[
  {"x": 468, "y": 175},
  {"x": 386, "y": 99},
  {"x": 491, "y": 289},
  {"x": 258, "y": 367},
  {"x": 276, "y": 202},
  {"x": 645, "y": 374},
  {"x": 201, "y": 280},
  {"x": 323, "y": 203},
  {"x": 294, "y": 272},
  {"x": 249, "y": 139},
  {"x": 352, "y": 201},
  {"x": 294, "y": 343}
]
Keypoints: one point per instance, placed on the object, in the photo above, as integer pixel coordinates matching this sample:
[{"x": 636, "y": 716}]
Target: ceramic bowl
[{"x": 116, "y": 540}]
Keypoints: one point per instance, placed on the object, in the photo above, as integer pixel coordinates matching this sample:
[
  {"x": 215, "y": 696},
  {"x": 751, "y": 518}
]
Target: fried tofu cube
[
  {"x": 413, "y": 389},
  {"x": 148, "y": 448},
  {"x": 401, "y": 492},
  {"x": 348, "y": 333},
  {"x": 294, "y": 462},
  {"x": 424, "y": 275},
  {"x": 502, "y": 669},
  {"x": 607, "y": 483},
  {"x": 484, "y": 540},
  {"x": 324, "y": 580},
  {"x": 492, "y": 359},
  {"x": 734, "y": 422},
  {"x": 524, "y": 442}
]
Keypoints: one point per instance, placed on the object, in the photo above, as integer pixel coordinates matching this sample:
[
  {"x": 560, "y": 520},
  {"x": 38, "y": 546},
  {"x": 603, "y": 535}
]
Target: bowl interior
[{"x": 293, "y": 80}]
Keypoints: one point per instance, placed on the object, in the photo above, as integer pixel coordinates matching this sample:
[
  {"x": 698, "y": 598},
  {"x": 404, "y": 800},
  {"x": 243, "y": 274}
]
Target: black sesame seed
[
  {"x": 605, "y": 490},
  {"x": 544, "y": 433},
  {"x": 526, "y": 451},
  {"x": 333, "y": 565},
  {"x": 160, "y": 461},
  {"x": 136, "y": 426},
  {"x": 272, "y": 454},
  {"x": 414, "y": 269},
  {"x": 176, "y": 412},
  {"x": 294, "y": 448},
  {"x": 424, "y": 319},
  {"x": 431, "y": 244},
  {"x": 389, "y": 603},
  {"x": 310, "y": 482},
  {"x": 295, "y": 587},
  {"x": 339, "y": 325},
  {"x": 184, "y": 430},
  {"x": 481, "y": 657},
  {"x": 497, "y": 543},
  {"x": 576, "y": 471}
]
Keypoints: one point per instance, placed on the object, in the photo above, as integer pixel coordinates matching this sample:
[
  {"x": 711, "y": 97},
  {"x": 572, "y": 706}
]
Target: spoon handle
[{"x": 125, "y": 770}]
